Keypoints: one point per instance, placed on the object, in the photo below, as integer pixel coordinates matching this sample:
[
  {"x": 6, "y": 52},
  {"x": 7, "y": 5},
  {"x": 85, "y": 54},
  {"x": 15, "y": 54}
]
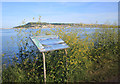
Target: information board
[{"x": 48, "y": 43}]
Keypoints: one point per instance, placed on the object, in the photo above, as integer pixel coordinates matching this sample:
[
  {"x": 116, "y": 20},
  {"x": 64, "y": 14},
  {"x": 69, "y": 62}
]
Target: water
[{"x": 10, "y": 39}]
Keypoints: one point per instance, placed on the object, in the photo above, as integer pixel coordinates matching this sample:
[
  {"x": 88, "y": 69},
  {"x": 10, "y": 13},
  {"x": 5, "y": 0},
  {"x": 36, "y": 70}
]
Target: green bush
[{"x": 87, "y": 60}]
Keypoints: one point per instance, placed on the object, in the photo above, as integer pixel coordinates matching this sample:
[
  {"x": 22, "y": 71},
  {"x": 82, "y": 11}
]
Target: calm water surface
[{"x": 10, "y": 39}]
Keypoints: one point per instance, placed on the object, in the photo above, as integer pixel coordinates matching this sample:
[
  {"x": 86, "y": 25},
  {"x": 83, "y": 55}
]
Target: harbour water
[{"x": 10, "y": 39}]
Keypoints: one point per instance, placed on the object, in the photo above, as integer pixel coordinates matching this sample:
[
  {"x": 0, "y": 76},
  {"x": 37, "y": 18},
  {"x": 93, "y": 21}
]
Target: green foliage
[{"x": 87, "y": 60}]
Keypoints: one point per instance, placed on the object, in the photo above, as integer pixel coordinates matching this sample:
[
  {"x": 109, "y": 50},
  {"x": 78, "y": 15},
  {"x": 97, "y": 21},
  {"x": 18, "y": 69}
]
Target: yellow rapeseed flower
[
  {"x": 53, "y": 76},
  {"x": 75, "y": 62},
  {"x": 61, "y": 62}
]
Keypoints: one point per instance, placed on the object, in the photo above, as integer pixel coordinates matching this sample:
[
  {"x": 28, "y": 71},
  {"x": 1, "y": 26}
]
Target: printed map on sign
[{"x": 48, "y": 43}]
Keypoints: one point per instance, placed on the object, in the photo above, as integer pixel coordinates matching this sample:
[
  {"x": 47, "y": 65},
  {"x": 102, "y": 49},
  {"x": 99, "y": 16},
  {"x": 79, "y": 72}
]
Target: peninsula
[{"x": 37, "y": 25}]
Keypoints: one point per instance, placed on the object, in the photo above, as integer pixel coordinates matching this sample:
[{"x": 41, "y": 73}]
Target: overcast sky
[{"x": 13, "y": 13}]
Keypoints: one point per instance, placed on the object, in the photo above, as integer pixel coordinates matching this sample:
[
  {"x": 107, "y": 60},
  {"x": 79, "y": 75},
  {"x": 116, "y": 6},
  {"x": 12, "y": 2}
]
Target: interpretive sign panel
[{"x": 48, "y": 43}]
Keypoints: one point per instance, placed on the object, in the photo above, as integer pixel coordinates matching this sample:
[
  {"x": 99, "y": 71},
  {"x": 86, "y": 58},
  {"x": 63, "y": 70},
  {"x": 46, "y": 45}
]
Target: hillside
[{"x": 55, "y": 25}]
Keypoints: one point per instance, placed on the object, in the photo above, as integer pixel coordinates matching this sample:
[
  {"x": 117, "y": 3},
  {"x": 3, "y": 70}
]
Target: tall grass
[{"x": 94, "y": 58}]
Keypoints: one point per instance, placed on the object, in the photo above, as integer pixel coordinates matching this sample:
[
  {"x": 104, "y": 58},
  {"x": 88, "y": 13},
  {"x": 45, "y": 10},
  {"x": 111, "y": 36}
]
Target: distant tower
[
  {"x": 39, "y": 18},
  {"x": 39, "y": 21}
]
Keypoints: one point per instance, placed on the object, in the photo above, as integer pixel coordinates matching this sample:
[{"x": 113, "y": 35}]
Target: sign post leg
[
  {"x": 66, "y": 64},
  {"x": 44, "y": 67},
  {"x": 65, "y": 51}
]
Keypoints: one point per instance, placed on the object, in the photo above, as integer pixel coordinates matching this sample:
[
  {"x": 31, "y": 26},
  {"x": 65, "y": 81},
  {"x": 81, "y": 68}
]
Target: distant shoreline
[
  {"x": 50, "y": 27},
  {"x": 7, "y": 28},
  {"x": 22, "y": 28}
]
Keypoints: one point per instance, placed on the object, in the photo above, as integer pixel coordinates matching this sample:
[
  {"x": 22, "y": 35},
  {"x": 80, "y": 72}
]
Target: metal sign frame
[{"x": 48, "y": 43}]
